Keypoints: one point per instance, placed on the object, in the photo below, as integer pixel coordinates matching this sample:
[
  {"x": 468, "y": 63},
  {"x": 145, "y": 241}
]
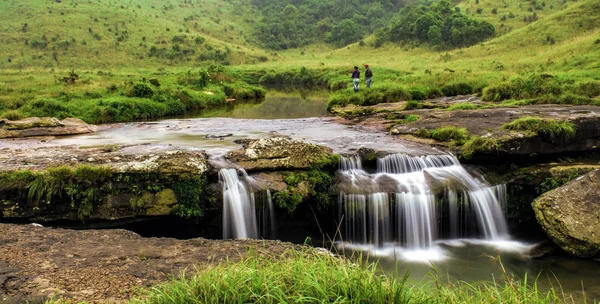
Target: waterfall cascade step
[{"x": 412, "y": 201}]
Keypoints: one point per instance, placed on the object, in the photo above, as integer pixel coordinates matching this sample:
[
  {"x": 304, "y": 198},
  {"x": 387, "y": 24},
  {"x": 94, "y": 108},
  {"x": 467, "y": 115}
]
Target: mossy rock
[
  {"x": 277, "y": 153},
  {"x": 570, "y": 215},
  {"x": 45, "y": 126}
]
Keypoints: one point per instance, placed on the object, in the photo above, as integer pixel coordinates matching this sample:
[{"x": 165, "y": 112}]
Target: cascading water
[
  {"x": 414, "y": 201},
  {"x": 241, "y": 217}
]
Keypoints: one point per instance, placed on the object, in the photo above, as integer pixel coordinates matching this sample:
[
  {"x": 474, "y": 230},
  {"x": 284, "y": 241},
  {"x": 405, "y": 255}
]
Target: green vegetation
[
  {"x": 388, "y": 93},
  {"x": 124, "y": 99},
  {"x": 546, "y": 128},
  {"x": 83, "y": 186},
  {"x": 477, "y": 144},
  {"x": 316, "y": 184},
  {"x": 303, "y": 276},
  {"x": 543, "y": 88},
  {"x": 450, "y": 133},
  {"x": 445, "y": 134},
  {"x": 191, "y": 196},
  {"x": 465, "y": 106},
  {"x": 554, "y": 182},
  {"x": 439, "y": 24},
  {"x": 290, "y": 24}
]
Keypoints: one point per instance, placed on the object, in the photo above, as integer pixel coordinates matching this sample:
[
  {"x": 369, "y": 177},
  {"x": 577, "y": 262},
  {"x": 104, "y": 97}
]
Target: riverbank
[{"x": 110, "y": 266}]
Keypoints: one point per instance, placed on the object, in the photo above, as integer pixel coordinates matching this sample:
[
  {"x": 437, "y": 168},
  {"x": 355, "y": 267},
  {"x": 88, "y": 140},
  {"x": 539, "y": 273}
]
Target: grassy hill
[
  {"x": 113, "y": 45},
  {"x": 114, "y": 33}
]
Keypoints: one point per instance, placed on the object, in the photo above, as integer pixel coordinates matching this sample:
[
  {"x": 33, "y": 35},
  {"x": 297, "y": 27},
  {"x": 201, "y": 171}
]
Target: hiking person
[
  {"x": 356, "y": 78},
  {"x": 368, "y": 76}
]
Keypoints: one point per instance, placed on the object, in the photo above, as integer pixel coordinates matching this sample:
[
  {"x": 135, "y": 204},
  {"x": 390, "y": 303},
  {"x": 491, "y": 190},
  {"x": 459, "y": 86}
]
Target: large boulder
[
  {"x": 277, "y": 153},
  {"x": 45, "y": 126},
  {"x": 570, "y": 215}
]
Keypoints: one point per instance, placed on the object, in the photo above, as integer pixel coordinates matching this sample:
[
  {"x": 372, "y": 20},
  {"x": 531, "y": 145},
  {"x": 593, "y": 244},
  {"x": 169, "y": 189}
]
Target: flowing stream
[{"x": 414, "y": 209}]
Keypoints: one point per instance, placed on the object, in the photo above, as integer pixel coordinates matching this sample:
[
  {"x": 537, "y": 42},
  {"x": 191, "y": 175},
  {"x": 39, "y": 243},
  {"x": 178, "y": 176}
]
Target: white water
[
  {"x": 240, "y": 218},
  {"x": 412, "y": 202}
]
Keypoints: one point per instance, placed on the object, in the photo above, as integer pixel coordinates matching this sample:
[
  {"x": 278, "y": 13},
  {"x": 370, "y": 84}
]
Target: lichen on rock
[
  {"x": 277, "y": 153},
  {"x": 570, "y": 215}
]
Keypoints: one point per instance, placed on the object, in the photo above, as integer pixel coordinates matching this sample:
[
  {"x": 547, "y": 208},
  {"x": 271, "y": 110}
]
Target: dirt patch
[{"x": 103, "y": 266}]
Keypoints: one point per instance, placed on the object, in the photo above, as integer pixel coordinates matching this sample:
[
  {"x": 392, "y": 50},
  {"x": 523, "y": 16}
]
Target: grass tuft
[
  {"x": 483, "y": 145},
  {"x": 547, "y": 128}
]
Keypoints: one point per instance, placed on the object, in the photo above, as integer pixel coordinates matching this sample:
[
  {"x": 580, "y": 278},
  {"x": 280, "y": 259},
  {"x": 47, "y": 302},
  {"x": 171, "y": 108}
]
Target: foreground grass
[
  {"x": 302, "y": 276},
  {"x": 546, "y": 128}
]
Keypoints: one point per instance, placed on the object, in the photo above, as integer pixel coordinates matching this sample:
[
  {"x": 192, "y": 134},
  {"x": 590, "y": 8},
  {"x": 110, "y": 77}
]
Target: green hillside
[
  {"x": 107, "y": 33},
  {"x": 114, "y": 46}
]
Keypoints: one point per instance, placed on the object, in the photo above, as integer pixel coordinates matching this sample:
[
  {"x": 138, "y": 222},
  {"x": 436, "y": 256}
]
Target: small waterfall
[
  {"x": 415, "y": 200},
  {"x": 241, "y": 215}
]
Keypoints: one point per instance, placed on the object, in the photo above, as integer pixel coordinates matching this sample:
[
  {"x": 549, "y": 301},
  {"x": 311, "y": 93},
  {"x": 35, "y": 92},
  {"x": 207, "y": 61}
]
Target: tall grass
[
  {"x": 298, "y": 276},
  {"x": 546, "y": 128},
  {"x": 303, "y": 276}
]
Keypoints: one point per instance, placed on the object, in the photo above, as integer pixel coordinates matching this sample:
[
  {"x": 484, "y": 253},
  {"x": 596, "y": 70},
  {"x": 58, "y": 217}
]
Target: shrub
[
  {"x": 455, "y": 89},
  {"x": 450, "y": 133},
  {"x": 394, "y": 94},
  {"x": 546, "y": 128},
  {"x": 142, "y": 90}
]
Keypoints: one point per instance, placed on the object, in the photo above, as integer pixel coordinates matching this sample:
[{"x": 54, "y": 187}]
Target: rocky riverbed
[{"x": 103, "y": 266}]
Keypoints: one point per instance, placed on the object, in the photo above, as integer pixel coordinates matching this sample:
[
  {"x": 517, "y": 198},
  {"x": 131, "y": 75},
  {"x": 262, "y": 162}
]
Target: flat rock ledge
[
  {"x": 103, "y": 266},
  {"x": 277, "y": 153},
  {"x": 570, "y": 215},
  {"x": 44, "y": 126}
]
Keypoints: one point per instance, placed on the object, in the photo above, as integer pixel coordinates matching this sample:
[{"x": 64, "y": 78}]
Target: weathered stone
[
  {"x": 45, "y": 126},
  {"x": 570, "y": 215},
  {"x": 134, "y": 181},
  {"x": 104, "y": 266},
  {"x": 277, "y": 153}
]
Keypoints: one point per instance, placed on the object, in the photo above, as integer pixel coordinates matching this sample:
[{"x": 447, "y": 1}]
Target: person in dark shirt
[
  {"x": 368, "y": 76},
  {"x": 356, "y": 78}
]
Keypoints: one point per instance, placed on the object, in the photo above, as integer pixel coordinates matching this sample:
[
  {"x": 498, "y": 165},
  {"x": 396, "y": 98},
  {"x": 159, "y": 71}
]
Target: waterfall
[
  {"x": 412, "y": 201},
  {"x": 240, "y": 217}
]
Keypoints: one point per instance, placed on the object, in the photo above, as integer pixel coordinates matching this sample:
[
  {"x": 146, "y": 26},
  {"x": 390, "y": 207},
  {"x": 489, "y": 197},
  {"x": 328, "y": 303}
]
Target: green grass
[
  {"x": 301, "y": 276},
  {"x": 450, "y": 133},
  {"x": 465, "y": 106},
  {"x": 546, "y": 128},
  {"x": 480, "y": 145}
]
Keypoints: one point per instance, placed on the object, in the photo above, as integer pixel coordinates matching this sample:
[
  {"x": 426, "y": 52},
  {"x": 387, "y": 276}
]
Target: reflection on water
[
  {"x": 277, "y": 105},
  {"x": 476, "y": 260}
]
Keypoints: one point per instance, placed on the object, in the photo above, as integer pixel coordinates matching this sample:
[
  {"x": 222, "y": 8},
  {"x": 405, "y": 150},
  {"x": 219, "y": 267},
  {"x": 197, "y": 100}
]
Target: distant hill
[
  {"x": 73, "y": 34},
  {"x": 105, "y": 33}
]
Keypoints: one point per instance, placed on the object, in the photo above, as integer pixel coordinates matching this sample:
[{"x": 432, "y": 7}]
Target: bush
[
  {"x": 455, "y": 89},
  {"x": 142, "y": 90},
  {"x": 450, "y": 133},
  {"x": 546, "y": 128}
]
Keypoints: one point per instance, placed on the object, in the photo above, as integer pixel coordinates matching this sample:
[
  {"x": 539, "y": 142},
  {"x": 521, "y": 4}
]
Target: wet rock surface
[
  {"x": 127, "y": 181},
  {"x": 103, "y": 266},
  {"x": 485, "y": 123},
  {"x": 570, "y": 215},
  {"x": 45, "y": 126},
  {"x": 277, "y": 153}
]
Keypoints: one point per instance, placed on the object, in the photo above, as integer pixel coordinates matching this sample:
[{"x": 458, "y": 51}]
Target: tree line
[{"x": 289, "y": 24}]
